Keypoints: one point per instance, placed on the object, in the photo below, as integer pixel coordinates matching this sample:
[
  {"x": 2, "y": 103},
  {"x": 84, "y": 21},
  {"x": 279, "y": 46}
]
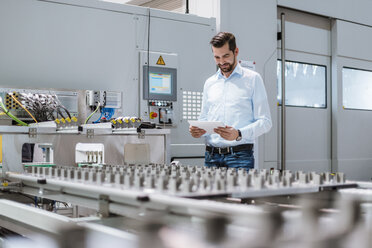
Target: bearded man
[{"x": 237, "y": 97}]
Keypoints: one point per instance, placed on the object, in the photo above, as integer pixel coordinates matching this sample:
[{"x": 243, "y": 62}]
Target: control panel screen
[{"x": 160, "y": 83}]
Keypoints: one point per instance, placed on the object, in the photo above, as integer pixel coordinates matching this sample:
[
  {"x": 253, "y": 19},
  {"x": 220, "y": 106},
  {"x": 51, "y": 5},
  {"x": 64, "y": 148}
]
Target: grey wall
[{"x": 59, "y": 45}]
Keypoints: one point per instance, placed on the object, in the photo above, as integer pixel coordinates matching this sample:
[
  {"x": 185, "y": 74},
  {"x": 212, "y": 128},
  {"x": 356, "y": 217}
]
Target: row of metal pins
[{"x": 184, "y": 179}]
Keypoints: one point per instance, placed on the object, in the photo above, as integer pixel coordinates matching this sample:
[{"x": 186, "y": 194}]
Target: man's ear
[{"x": 236, "y": 51}]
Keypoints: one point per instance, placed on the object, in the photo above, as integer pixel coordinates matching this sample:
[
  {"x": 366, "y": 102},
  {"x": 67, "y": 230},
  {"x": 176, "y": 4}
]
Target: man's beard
[{"x": 229, "y": 68}]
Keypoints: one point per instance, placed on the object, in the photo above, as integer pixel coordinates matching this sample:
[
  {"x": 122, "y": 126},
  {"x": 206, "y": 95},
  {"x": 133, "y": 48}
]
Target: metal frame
[{"x": 283, "y": 124}]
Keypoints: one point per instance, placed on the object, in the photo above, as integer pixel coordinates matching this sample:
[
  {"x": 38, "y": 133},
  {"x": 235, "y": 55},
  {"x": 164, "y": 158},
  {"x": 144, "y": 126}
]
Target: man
[{"x": 235, "y": 96}]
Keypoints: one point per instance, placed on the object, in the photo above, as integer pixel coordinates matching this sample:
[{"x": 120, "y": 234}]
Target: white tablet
[{"x": 207, "y": 125}]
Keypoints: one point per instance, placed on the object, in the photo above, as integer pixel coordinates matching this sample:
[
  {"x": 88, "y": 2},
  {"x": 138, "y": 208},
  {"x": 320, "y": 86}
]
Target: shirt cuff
[{"x": 247, "y": 132}]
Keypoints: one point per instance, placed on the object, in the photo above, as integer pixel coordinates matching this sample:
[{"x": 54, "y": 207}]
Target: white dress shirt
[{"x": 239, "y": 101}]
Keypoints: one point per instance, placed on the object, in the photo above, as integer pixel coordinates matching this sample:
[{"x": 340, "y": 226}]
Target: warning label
[{"x": 160, "y": 61}]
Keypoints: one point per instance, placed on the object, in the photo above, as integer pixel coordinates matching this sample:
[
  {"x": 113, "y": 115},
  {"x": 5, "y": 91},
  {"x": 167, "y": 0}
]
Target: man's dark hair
[{"x": 220, "y": 39}]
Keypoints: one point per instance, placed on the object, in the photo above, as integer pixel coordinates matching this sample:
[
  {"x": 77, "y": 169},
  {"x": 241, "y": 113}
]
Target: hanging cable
[
  {"x": 59, "y": 112},
  {"x": 20, "y": 104},
  {"x": 6, "y": 111},
  {"x": 65, "y": 109},
  {"x": 60, "y": 105},
  {"x": 87, "y": 119},
  {"x": 148, "y": 54}
]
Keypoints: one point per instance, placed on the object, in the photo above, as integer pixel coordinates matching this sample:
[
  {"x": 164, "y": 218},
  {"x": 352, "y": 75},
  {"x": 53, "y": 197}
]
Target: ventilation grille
[{"x": 191, "y": 104}]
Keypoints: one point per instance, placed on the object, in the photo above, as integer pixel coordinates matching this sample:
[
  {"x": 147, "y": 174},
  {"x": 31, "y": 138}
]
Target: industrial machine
[
  {"x": 79, "y": 168},
  {"x": 87, "y": 192},
  {"x": 113, "y": 180}
]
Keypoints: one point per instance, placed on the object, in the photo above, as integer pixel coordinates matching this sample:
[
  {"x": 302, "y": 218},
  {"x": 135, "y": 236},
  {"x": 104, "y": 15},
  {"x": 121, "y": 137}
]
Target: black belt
[{"x": 229, "y": 149}]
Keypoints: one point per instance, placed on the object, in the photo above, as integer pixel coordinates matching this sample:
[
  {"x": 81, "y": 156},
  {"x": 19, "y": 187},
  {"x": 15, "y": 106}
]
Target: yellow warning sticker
[{"x": 160, "y": 61}]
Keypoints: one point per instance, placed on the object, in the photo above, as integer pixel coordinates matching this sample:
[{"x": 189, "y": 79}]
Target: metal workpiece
[
  {"x": 175, "y": 180},
  {"x": 183, "y": 193},
  {"x": 203, "y": 197},
  {"x": 88, "y": 190},
  {"x": 193, "y": 181},
  {"x": 184, "y": 181},
  {"x": 127, "y": 198}
]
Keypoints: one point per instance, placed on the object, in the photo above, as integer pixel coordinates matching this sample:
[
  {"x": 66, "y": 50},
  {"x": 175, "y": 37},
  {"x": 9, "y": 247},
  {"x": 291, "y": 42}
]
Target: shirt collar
[{"x": 238, "y": 70}]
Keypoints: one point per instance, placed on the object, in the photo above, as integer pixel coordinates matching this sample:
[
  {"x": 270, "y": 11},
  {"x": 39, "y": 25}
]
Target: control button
[{"x": 153, "y": 115}]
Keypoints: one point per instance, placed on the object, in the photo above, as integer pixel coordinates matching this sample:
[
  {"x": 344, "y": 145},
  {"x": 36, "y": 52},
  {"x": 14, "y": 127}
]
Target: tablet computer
[{"x": 207, "y": 125}]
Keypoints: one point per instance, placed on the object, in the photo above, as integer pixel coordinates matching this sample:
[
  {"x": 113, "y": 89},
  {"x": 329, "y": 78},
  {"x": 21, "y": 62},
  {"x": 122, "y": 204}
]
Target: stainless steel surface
[
  {"x": 33, "y": 222},
  {"x": 47, "y": 222},
  {"x": 64, "y": 143}
]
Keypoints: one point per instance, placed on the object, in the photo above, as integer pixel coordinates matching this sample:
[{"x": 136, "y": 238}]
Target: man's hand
[
  {"x": 196, "y": 132},
  {"x": 228, "y": 133}
]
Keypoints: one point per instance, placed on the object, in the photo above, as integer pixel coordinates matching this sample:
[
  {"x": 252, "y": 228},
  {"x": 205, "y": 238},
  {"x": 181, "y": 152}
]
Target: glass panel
[
  {"x": 305, "y": 84},
  {"x": 356, "y": 89}
]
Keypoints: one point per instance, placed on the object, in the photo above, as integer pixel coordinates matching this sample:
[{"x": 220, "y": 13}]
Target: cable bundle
[
  {"x": 6, "y": 111},
  {"x": 44, "y": 107}
]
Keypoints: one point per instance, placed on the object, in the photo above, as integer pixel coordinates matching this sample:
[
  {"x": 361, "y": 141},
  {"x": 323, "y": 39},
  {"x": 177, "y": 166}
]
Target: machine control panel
[
  {"x": 161, "y": 111},
  {"x": 160, "y": 103},
  {"x": 159, "y": 87}
]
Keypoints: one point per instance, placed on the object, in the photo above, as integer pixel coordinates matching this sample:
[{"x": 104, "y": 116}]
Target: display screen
[{"x": 160, "y": 83}]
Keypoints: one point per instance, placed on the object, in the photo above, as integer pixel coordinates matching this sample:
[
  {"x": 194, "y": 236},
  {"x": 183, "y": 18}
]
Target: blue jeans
[{"x": 241, "y": 159}]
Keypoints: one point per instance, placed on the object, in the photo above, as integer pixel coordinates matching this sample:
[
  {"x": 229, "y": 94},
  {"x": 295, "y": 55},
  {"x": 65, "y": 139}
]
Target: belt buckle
[{"x": 221, "y": 150}]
